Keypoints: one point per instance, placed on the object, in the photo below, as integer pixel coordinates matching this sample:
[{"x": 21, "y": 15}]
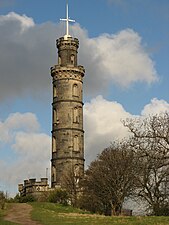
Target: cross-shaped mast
[{"x": 67, "y": 20}]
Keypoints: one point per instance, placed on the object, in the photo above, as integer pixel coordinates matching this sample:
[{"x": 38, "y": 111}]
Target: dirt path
[{"x": 20, "y": 213}]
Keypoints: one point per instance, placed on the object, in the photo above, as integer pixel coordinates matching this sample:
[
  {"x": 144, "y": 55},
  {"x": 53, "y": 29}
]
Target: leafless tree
[
  {"x": 110, "y": 179},
  {"x": 71, "y": 183},
  {"x": 150, "y": 142}
]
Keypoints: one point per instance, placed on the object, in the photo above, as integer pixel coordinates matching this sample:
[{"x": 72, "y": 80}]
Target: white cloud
[
  {"x": 102, "y": 120},
  {"x": 119, "y": 58},
  {"x": 33, "y": 146},
  {"x": 17, "y": 121},
  {"x": 29, "y": 51},
  {"x": 155, "y": 107},
  {"x": 29, "y": 150},
  {"x": 103, "y": 124},
  {"x": 24, "y": 21}
]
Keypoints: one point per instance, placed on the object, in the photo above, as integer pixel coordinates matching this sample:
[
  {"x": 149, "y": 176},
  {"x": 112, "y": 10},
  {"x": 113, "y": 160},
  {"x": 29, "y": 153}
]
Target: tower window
[
  {"x": 75, "y": 115},
  {"x": 55, "y": 117},
  {"x": 53, "y": 173},
  {"x": 54, "y": 91},
  {"x": 72, "y": 59},
  {"x": 59, "y": 60},
  {"x": 75, "y": 90},
  {"x": 77, "y": 173},
  {"x": 76, "y": 143},
  {"x": 54, "y": 144}
]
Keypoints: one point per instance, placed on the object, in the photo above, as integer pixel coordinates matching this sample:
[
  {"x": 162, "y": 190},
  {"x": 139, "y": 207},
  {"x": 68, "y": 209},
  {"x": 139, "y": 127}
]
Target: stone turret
[{"x": 67, "y": 124}]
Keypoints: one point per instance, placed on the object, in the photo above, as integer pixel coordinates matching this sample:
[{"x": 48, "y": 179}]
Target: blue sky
[{"x": 124, "y": 46}]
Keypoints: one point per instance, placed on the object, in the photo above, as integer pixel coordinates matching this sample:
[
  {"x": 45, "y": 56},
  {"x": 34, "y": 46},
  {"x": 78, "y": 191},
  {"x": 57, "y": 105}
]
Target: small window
[
  {"x": 75, "y": 115},
  {"x": 75, "y": 90},
  {"x": 72, "y": 59},
  {"x": 59, "y": 60},
  {"x": 54, "y": 91},
  {"x": 76, "y": 143},
  {"x": 76, "y": 170},
  {"x": 54, "y": 144},
  {"x": 76, "y": 173},
  {"x": 55, "y": 117},
  {"x": 53, "y": 173}
]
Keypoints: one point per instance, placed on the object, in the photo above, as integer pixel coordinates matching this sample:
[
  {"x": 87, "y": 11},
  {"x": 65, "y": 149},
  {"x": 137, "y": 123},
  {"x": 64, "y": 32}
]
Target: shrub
[
  {"x": 2, "y": 200},
  {"x": 59, "y": 196},
  {"x": 27, "y": 198},
  {"x": 162, "y": 211}
]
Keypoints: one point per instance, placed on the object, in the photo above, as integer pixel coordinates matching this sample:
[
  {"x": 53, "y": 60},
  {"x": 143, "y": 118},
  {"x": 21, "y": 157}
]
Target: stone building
[
  {"x": 33, "y": 187},
  {"x": 67, "y": 121},
  {"x": 67, "y": 124}
]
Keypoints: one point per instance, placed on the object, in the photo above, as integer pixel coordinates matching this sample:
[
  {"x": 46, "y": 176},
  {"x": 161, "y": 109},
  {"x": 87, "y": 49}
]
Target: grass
[
  {"x": 2, "y": 222},
  {"x": 53, "y": 214}
]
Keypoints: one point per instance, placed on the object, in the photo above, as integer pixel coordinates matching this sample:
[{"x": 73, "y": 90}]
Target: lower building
[{"x": 33, "y": 187}]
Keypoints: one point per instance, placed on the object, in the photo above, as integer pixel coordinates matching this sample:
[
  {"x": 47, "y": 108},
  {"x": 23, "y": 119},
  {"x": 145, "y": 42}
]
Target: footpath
[{"x": 20, "y": 213}]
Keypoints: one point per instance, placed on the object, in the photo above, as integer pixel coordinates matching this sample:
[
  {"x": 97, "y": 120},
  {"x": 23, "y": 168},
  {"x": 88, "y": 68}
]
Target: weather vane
[{"x": 67, "y": 20}]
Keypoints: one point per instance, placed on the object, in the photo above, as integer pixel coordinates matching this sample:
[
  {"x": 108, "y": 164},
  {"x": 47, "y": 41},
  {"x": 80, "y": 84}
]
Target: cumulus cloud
[
  {"x": 155, "y": 107},
  {"x": 118, "y": 58},
  {"x": 103, "y": 124},
  {"x": 24, "y": 21},
  {"x": 29, "y": 51},
  {"x": 21, "y": 138},
  {"x": 16, "y": 122}
]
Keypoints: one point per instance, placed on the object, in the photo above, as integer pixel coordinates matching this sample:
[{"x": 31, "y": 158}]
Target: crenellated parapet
[{"x": 70, "y": 72}]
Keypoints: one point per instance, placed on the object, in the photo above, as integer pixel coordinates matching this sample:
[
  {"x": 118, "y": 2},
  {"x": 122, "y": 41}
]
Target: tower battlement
[{"x": 68, "y": 41}]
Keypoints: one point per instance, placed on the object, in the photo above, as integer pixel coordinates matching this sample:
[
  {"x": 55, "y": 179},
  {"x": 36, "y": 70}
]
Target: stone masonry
[{"x": 67, "y": 124}]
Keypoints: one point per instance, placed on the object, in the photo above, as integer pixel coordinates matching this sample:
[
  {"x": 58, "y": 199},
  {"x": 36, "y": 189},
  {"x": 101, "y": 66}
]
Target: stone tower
[{"x": 67, "y": 124}]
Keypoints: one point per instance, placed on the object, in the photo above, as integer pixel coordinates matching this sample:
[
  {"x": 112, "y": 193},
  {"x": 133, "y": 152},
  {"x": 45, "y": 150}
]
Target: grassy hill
[
  {"x": 51, "y": 214},
  {"x": 2, "y": 222}
]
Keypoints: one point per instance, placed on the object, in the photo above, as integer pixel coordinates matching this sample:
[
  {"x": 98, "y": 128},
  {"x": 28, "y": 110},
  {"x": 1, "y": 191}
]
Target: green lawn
[
  {"x": 51, "y": 214},
  {"x": 2, "y": 222}
]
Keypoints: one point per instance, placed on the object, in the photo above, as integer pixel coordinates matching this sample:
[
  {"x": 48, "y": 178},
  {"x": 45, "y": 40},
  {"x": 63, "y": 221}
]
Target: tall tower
[{"x": 67, "y": 124}]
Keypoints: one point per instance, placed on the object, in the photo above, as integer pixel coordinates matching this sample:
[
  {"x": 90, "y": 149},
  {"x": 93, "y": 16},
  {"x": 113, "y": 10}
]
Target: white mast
[{"x": 67, "y": 20}]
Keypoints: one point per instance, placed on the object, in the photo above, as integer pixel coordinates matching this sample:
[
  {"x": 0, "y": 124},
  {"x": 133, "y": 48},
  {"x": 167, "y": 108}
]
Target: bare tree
[
  {"x": 110, "y": 179},
  {"x": 150, "y": 143},
  {"x": 71, "y": 183}
]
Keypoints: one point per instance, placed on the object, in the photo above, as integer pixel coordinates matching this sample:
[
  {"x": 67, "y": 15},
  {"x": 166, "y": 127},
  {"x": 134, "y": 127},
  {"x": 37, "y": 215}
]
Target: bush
[
  {"x": 27, "y": 198},
  {"x": 17, "y": 198},
  {"x": 2, "y": 200},
  {"x": 59, "y": 196},
  {"x": 162, "y": 211}
]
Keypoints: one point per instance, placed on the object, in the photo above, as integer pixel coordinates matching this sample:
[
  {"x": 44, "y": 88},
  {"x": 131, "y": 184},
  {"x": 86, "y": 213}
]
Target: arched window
[
  {"x": 53, "y": 173},
  {"x": 76, "y": 170},
  {"x": 76, "y": 173},
  {"x": 54, "y": 144},
  {"x": 72, "y": 59},
  {"x": 75, "y": 90},
  {"x": 54, "y": 91},
  {"x": 55, "y": 117},
  {"x": 75, "y": 115},
  {"x": 59, "y": 60},
  {"x": 76, "y": 143}
]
